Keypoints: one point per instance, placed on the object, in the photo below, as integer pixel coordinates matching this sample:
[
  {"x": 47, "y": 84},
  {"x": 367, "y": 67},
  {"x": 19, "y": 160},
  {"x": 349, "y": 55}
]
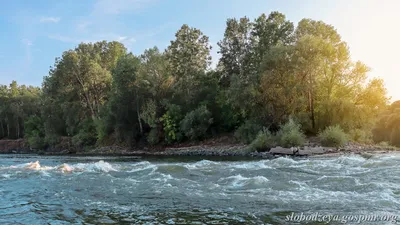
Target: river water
[{"x": 132, "y": 190}]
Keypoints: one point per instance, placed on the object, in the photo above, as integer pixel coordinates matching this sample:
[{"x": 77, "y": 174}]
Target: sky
[{"x": 34, "y": 33}]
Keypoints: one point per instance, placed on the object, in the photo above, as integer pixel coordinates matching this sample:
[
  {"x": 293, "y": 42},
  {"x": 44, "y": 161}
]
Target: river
[{"x": 134, "y": 190}]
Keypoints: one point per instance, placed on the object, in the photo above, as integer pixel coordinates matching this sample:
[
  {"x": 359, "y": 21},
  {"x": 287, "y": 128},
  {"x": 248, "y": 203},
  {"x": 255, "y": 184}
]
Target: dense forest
[{"x": 270, "y": 72}]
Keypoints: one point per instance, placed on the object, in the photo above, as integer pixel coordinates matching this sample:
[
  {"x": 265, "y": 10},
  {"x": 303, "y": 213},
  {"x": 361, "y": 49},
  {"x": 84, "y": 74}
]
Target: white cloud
[
  {"x": 45, "y": 19},
  {"x": 119, "y": 6},
  {"x": 127, "y": 41},
  {"x": 26, "y": 42}
]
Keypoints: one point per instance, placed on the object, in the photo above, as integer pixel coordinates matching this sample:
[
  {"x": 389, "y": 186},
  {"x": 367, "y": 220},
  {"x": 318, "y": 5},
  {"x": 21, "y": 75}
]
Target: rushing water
[{"x": 129, "y": 190}]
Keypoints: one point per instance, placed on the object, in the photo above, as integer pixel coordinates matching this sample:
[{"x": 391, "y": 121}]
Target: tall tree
[
  {"x": 235, "y": 49},
  {"x": 126, "y": 98},
  {"x": 80, "y": 80},
  {"x": 267, "y": 32},
  {"x": 188, "y": 57}
]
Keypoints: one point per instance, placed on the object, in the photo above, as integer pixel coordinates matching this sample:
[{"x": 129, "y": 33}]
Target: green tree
[
  {"x": 125, "y": 100},
  {"x": 188, "y": 57},
  {"x": 235, "y": 49}
]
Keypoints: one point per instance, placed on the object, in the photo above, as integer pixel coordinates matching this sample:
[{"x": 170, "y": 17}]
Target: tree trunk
[
  {"x": 138, "y": 113},
  {"x": 17, "y": 128},
  {"x": 87, "y": 98},
  {"x": 22, "y": 130},
  {"x": 8, "y": 130},
  {"x": 311, "y": 106},
  {"x": 2, "y": 129}
]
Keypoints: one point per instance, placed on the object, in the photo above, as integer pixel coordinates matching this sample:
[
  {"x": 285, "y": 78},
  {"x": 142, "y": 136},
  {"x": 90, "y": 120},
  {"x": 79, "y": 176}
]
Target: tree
[
  {"x": 188, "y": 57},
  {"x": 269, "y": 73},
  {"x": 80, "y": 80},
  {"x": 267, "y": 32},
  {"x": 156, "y": 83},
  {"x": 235, "y": 49},
  {"x": 280, "y": 91},
  {"x": 125, "y": 99},
  {"x": 243, "y": 50}
]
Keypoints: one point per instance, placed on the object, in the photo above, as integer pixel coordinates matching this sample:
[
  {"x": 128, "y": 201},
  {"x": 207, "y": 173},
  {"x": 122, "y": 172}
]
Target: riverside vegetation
[{"x": 275, "y": 84}]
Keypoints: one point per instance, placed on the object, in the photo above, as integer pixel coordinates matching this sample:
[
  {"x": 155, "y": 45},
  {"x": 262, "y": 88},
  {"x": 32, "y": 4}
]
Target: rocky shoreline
[
  {"x": 238, "y": 151},
  {"x": 206, "y": 149}
]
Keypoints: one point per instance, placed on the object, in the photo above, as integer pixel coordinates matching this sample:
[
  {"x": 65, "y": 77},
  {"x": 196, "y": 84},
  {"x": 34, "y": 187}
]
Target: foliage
[
  {"x": 124, "y": 103},
  {"x": 386, "y": 146},
  {"x": 395, "y": 137},
  {"x": 264, "y": 141},
  {"x": 196, "y": 123},
  {"x": 153, "y": 137},
  {"x": 387, "y": 126},
  {"x": 247, "y": 132},
  {"x": 17, "y": 104},
  {"x": 269, "y": 71},
  {"x": 360, "y": 136},
  {"x": 34, "y": 132},
  {"x": 86, "y": 135},
  {"x": 333, "y": 136},
  {"x": 35, "y": 140},
  {"x": 170, "y": 128},
  {"x": 101, "y": 130},
  {"x": 149, "y": 113},
  {"x": 290, "y": 134}
]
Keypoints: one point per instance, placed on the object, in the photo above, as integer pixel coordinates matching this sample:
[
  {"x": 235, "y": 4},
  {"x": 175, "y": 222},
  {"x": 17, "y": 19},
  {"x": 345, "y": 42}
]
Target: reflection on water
[{"x": 129, "y": 190}]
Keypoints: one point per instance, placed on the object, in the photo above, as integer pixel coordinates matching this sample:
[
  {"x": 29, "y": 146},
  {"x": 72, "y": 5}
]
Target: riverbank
[{"x": 223, "y": 146}]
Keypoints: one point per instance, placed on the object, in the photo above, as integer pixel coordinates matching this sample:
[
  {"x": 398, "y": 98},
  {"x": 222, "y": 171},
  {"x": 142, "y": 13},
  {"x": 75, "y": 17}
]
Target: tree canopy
[{"x": 269, "y": 72}]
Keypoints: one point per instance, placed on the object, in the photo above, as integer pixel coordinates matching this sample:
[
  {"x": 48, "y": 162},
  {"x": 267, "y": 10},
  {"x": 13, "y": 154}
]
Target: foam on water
[
  {"x": 262, "y": 164},
  {"x": 141, "y": 166},
  {"x": 203, "y": 164},
  {"x": 238, "y": 181},
  {"x": 6, "y": 176},
  {"x": 99, "y": 166},
  {"x": 259, "y": 188}
]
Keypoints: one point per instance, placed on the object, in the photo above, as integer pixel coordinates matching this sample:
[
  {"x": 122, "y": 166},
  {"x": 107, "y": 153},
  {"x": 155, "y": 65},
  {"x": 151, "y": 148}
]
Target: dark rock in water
[
  {"x": 267, "y": 155},
  {"x": 366, "y": 155}
]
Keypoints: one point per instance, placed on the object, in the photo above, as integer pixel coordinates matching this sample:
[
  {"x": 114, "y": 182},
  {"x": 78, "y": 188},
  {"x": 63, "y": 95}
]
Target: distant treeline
[{"x": 269, "y": 71}]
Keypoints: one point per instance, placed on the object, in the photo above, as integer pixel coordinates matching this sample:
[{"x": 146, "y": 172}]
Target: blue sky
[{"x": 33, "y": 33}]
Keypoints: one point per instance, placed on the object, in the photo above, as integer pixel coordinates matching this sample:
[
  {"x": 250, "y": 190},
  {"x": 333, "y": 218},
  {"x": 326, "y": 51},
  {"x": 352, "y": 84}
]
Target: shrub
[
  {"x": 34, "y": 132},
  {"x": 87, "y": 135},
  {"x": 196, "y": 123},
  {"x": 149, "y": 113},
  {"x": 35, "y": 141},
  {"x": 51, "y": 139},
  {"x": 290, "y": 135},
  {"x": 333, "y": 136},
  {"x": 100, "y": 129},
  {"x": 247, "y": 132},
  {"x": 384, "y": 144},
  {"x": 170, "y": 128},
  {"x": 264, "y": 141},
  {"x": 395, "y": 137},
  {"x": 360, "y": 136},
  {"x": 170, "y": 123},
  {"x": 152, "y": 137}
]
